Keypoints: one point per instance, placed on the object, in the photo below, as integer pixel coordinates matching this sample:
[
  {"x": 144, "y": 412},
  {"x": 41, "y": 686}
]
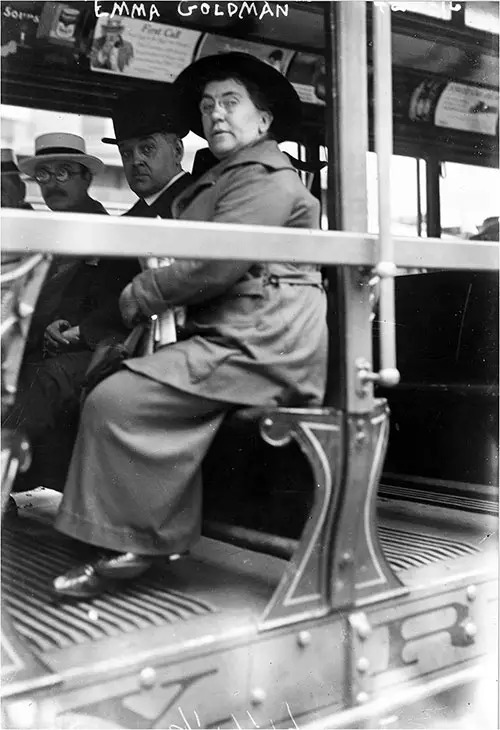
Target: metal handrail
[
  {"x": 385, "y": 268},
  {"x": 23, "y": 268},
  {"x": 85, "y": 235}
]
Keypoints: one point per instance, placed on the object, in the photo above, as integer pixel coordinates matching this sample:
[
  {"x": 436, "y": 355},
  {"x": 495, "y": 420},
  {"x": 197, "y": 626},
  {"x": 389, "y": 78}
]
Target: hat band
[{"x": 58, "y": 151}]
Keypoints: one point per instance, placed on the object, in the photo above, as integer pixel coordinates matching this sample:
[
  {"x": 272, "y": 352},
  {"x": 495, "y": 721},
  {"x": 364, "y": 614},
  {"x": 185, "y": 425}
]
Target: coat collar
[
  {"x": 163, "y": 205},
  {"x": 266, "y": 153}
]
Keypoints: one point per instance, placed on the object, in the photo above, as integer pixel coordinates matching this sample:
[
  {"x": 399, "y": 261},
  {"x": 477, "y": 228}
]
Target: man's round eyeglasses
[{"x": 62, "y": 175}]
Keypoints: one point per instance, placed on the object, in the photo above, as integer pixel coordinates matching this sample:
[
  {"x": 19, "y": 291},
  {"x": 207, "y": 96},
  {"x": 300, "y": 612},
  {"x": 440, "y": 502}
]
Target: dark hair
[{"x": 257, "y": 96}]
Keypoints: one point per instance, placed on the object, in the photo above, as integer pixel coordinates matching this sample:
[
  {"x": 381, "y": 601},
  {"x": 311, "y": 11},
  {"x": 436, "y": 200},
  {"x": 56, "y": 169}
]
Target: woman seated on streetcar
[{"x": 255, "y": 334}]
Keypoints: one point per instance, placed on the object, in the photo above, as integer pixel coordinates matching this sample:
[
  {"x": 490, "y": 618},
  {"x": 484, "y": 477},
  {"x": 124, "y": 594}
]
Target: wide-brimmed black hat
[
  {"x": 139, "y": 113},
  {"x": 283, "y": 100}
]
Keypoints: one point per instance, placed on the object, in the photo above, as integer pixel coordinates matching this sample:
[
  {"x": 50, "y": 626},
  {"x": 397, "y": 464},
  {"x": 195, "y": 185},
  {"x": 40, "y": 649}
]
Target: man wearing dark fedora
[
  {"x": 149, "y": 137},
  {"x": 13, "y": 188}
]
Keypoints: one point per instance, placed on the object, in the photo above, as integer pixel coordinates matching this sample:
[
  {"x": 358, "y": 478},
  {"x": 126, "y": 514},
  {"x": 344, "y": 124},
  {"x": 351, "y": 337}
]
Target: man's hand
[
  {"x": 72, "y": 336},
  {"x": 129, "y": 308},
  {"x": 53, "y": 338}
]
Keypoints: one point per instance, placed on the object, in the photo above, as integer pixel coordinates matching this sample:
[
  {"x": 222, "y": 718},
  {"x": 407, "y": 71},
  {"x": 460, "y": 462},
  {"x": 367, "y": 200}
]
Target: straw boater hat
[
  {"x": 279, "y": 93},
  {"x": 9, "y": 164},
  {"x": 60, "y": 147},
  {"x": 137, "y": 114}
]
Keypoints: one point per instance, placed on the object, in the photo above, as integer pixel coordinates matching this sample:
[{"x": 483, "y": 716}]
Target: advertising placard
[
  {"x": 469, "y": 108},
  {"x": 137, "y": 48}
]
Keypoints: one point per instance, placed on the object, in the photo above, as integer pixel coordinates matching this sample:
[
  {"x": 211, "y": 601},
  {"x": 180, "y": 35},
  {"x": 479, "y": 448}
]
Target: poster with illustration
[
  {"x": 138, "y": 48},
  {"x": 278, "y": 58},
  {"x": 19, "y": 26},
  {"x": 307, "y": 73},
  {"x": 469, "y": 108},
  {"x": 58, "y": 23}
]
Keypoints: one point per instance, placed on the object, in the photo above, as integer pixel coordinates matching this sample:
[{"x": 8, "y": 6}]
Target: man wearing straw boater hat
[
  {"x": 64, "y": 172},
  {"x": 13, "y": 188},
  {"x": 76, "y": 310}
]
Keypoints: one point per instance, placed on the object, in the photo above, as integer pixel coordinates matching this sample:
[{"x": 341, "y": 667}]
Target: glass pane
[
  {"x": 407, "y": 188},
  {"x": 469, "y": 195},
  {"x": 20, "y": 126},
  {"x": 441, "y": 10},
  {"x": 483, "y": 15}
]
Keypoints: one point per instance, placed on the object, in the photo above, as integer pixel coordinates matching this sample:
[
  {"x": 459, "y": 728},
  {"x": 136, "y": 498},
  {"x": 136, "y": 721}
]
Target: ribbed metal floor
[
  {"x": 406, "y": 549},
  {"x": 30, "y": 563},
  {"x": 30, "y": 560},
  {"x": 462, "y": 502}
]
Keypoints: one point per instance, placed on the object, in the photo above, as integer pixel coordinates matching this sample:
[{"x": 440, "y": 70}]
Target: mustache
[{"x": 55, "y": 191}]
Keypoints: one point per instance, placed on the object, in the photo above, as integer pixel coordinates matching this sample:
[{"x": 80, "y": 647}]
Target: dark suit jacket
[
  {"x": 162, "y": 207},
  {"x": 114, "y": 274},
  {"x": 106, "y": 321}
]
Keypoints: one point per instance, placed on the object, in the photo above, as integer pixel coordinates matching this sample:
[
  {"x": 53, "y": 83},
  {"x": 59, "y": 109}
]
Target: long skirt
[{"x": 134, "y": 482}]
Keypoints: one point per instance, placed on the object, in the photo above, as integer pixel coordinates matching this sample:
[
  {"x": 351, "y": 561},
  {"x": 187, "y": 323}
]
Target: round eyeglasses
[
  {"x": 207, "y": 106},
  {"x": 62, "y": 175}
]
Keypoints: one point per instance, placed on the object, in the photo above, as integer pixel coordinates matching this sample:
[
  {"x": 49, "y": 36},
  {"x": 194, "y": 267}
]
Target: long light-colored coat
[
  {"x": 249, "y": 339},
  {"x": 134, "y": 482}
]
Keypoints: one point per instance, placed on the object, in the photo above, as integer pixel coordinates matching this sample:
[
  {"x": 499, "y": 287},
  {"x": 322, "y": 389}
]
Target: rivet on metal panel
[
  {"x": 361, "y": 625},
  {"x": 345, "y": 558},
  {"x": 147, "y": 678},
  {"x": 362, "y": 665},
  {"x": 258, "y": 696},
  {"x": 360, "y": 432},
  {"x": 362, "y": 698},
  {"x": 304, "y": 639},
  {"x": 470, "y": 630},
  {"x": 471, "y": 593},
  {"x": 25, "y": 310}
]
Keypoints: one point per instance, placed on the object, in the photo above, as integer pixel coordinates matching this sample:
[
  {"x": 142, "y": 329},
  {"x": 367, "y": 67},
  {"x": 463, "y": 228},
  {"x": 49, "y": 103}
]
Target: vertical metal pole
[
  {"x": 433, "y": 171},
  {"x": 419, "y": 199},
  {"x": 382, "y": 62},
  {"x": 347, "y": 137}
]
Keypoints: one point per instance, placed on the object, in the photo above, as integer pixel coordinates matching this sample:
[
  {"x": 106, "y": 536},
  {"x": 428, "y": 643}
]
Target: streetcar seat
[
  {"x": 251, "y": 484},
  {"x": 444, "y": 421},
  {"x": 21, "y": 280}
]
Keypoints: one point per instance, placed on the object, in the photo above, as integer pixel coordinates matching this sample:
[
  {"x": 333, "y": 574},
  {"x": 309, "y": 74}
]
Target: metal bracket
[{"x": 387, "y": 378}]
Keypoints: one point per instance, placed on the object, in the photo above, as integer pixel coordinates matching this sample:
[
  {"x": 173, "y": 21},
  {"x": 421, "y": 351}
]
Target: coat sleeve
[
  {"x": 104, "y": 321},
  {"x": 252, "y": 195}
]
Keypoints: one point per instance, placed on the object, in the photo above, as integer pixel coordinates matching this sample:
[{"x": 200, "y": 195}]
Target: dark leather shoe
[
  {"x": 123, "y": 566},
  {"x": 80, "y": 583},
  {"x": 130, "y": 565}
]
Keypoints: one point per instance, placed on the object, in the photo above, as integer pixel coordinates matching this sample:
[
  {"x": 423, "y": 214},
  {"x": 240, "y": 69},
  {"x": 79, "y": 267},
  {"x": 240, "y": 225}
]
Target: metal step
[{"x": 30, "y": 561}]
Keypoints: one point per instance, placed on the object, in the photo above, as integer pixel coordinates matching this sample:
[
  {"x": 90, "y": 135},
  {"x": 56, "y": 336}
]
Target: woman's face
[{"x": 230, "y": 118}]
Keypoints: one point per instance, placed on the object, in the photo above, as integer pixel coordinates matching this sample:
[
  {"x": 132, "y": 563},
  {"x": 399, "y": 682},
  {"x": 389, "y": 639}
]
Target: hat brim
[
  {"x": 29, "y": 164},
  {"x": 281, "y": 96}
]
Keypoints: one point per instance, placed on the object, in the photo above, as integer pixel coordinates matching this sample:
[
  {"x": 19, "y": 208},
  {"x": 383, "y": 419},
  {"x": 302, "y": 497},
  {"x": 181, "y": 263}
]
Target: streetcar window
[
  {"x": 408, "y": 195},
  {"x": 21, "y": 125},
  {"x": 431, "y": 9},
  {"x": 483, "y": 16},
  {"x": 469, "y": 195}
]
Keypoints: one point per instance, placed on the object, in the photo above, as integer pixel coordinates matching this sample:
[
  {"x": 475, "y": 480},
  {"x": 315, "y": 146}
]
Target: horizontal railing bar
[{"x": 86, "y": 235}]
